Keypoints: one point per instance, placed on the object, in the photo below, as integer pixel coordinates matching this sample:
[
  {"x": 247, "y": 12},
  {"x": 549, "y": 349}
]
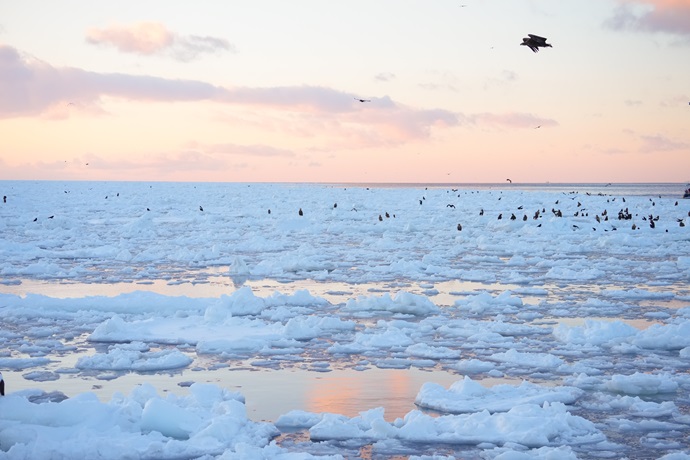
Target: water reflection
[{"x": 342, "y": 389}]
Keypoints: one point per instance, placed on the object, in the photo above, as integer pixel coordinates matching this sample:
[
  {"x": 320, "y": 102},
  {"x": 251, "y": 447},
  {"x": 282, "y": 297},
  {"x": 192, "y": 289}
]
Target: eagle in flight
[{"x": 535, "y": 42}]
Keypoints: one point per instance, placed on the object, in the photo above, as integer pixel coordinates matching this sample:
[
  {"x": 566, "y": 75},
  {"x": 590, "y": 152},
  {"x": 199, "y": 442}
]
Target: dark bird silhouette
[
  {"x": 4, "y": 199},
  {"x": 509, "y": 181},
  {"x": 534, "y": 42},
  {"x": 362, "y": 100},
  {"x": 200, "y": 208},
  {"x": 301, "y": 213},
  {"x": 459, "y": 227}
]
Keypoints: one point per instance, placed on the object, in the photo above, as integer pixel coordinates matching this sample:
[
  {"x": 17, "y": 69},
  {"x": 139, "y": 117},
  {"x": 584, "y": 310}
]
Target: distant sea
[
  {"x": 662, "y": 189},
  {"x": 652, "y": 190}
]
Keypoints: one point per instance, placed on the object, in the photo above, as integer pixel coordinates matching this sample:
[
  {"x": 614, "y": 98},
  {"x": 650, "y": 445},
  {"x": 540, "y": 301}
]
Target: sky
[{"x": 268, "y": 91}]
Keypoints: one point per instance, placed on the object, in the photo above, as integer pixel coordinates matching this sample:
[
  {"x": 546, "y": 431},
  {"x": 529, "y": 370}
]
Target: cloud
[
  {"x": 659, "y": 143},
  {"x": 668, "y": 16},
  {"x": 444, "y": 81},
  {"x": 384, "y": 76},
  {"x": 676, "y": 101},
  {"x": 177, "y": 165},
  {"x": 304, "y": 98},
  {"x": 438, "y": 87},
  {"x": 142, "y": 38},
  {"x": 160, "y": 163},
  {"x": 513, "y": 120},
  {"x": 152, "y": 38},
  {"x": 189, "y": 48},
  {"x": 30, "y": 87},
  {"x": 254, "y": 150}
]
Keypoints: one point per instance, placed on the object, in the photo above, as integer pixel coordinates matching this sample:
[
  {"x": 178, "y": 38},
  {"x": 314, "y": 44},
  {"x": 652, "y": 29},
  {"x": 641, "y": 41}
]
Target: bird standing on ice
[
  {"x": 535, "y": 42},
  {"x": 2, "y": 385}
]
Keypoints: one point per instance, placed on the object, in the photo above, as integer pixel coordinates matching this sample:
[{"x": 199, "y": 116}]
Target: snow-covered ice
[{"x": 559, "y": 318}]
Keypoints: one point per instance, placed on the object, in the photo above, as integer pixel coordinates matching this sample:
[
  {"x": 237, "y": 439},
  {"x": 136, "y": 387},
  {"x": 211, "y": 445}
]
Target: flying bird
[
  {"x": 509, "y": 181},
  {"x": 535, "y": 42},
  {"x": 362, "y": 100}
]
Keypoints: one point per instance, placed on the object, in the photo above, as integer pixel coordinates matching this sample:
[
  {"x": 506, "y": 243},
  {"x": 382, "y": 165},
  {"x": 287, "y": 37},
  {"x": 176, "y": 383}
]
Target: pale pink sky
[{"x": 267, "y": 91}]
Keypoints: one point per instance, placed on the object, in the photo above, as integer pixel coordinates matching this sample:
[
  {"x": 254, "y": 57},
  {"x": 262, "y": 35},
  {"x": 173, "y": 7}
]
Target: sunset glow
[{"x": 270, "y": 91}]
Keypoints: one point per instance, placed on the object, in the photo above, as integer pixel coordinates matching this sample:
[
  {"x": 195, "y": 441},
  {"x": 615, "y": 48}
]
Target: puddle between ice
[{"x": 271, "y": 393}]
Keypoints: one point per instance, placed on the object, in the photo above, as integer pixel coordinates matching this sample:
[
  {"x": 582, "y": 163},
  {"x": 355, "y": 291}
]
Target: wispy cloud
[
  {"x": 161, "y": 162},
  {"x": 253, "y": 150},
  {"x": 658, "y": 143},
  {"x": 303, "y": 98},
  {"x": 176, "y": 165},
  {"x": 384, "y": 76},
  {"x": 152, "y": 38},
  {"x": 513, "y": 120},
  {"x": 676, "y": 101},
  {"x": 444, "y": 81},
  {"x": 669, "y": 16}
]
